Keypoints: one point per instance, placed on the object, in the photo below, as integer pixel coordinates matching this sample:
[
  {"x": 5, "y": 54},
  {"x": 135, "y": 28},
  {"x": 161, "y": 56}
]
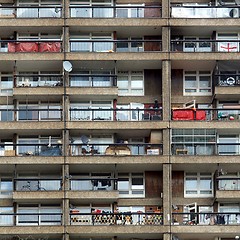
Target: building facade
[{"x": 119, "y": 120}]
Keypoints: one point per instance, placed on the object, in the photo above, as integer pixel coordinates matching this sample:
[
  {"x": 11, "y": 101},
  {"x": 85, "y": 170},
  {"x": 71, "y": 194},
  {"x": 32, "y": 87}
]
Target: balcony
[
  {"x": 206, "y": 149},
  {"x": 109, "y": 45},
  {"x": 30, "y": 149},
  {"x": 30, "y": 46},
  {"x": 231, "y": 11},
  {"x": 115, "y": 149},
  {"x": 31, "y": 11},
  {"x": 109, "y": 114},
  {"x": 30, "y": 219},
  {"x": 206, "y": 218},
  {"x": 96, "y": 219},
  {"x": 120, "y": 11},
  {"x": 210, "y": 114},
  {"x": 205, "y": 45}
]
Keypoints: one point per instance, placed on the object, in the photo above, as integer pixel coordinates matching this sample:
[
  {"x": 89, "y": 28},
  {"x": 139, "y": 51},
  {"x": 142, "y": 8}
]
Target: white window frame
[
  {"x": 131, "y": 189},
  {"x": 196, "y": 45},
  {"x": 198, "y": 177},
  {"x": 197, "y": 75},
  {"x": 128, "y": 10},
  {"x": 5, "y": 193},
  {"x": 8, "y": 91},
  {"x": 129, "y": 90},
  {"x": 7, "y": 219}
]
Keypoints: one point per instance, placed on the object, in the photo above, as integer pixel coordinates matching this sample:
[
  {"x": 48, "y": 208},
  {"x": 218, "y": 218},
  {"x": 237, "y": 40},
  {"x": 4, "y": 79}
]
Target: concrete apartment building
[{"x": 119, "y": 119}]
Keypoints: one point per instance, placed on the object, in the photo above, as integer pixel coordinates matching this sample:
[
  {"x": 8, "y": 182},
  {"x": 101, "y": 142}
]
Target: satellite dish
[
  {"x": 67, "y": 66},
  {"x": 230, "y": 81},
  {"x": 233, "y": 13}
]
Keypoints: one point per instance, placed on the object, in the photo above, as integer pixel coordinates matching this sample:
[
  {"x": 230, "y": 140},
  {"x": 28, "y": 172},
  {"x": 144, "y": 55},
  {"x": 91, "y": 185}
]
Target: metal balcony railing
[
  {"x": 115, "y": 149},
  {"x": 109, "y": 45},
  {"x": 93, "y": 80},
  {"x": 33, "y": 184},
  {"x": 93, "y": 184},
  {"x": 29, "y": 219},
  {"x": 30, "y": 114},
  {"x": 38, "y": 80},
  {"x": 206, "y": 148},
  {"x": 116, "y": 218},
  {"x": 81, "y": 11},
  {"x": 31, "y": 11},
  {"x": 226, "y": 183},
  {"x": 227, "y": 80},
  {"x": 30, "y": 149},
  {"x": 118, "y": 114},
  {"x": 205, "y": 45},
  {"x": 210, "y": 114},
  {"x": 206, "y": 218},
  {"x": 230, "y": 11},
  {"x": 33, "y": 46}
]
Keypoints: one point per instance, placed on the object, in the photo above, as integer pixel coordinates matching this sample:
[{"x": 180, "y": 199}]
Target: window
[
  {"x": 198, "y": 185},
  {"x": 197, "y": 83},
  {"x": 6, "y": 113},
  {"x": 130, "y": 83},
  {"x": 232, "y": 46},
  {"x": 6, "y": 219},
  {"x": 131, "y": 184},
  {"x": 230, "y": 208},
  {"x": 6, "y": 84},
  {"x": 196, "y": 46},
  {"x": 6, "y": 187},
  {"x": 228, "y": 145},
  {"x": 125, "y": 46},
  {"x": 129, "y": 11}
]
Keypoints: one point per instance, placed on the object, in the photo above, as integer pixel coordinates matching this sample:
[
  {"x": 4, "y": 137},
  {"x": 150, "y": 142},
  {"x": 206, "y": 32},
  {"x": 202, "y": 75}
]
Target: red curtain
[{"x": 50, "y": 47}]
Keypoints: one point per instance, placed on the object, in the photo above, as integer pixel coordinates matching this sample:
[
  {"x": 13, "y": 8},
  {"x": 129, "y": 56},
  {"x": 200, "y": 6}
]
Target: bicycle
[{"x": 29, "y": 187}]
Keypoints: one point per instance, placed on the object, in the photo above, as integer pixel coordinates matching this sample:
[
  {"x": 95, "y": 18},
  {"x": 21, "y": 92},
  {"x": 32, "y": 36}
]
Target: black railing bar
[
  {"x": 30, "y": 6},
  {"x": 36, "y": 179},
  {"x": 31, "y": 109},
  {"x": 114, "y": 214},
  {"x": 207, "y": 143},
  {"x": 223, "y": 6},
  {"x": 227, "y": 178},
  {"x": 115, "y": 7},
  {"x": 226, "y": 75},
  {"x": 38, "y": 75},
  {"x": 203, "y": 41},
  {"x": 92, "y": 75},
  {"x": 117, "y": 144},
  {"x": 115, "y": 41},
  {"x": 30, "y": 144},
  {"x": 206, "y": 109},
  {"x": 30, "y": 40},
  {"x": 197, "y": 213},
  {"x": 117, "y": 109},
  {"x": 81, "y": 179},
  {"x": 30, "y": 214}
]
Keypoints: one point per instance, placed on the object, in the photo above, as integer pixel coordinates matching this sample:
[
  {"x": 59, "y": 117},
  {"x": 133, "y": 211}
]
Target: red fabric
[
  {"x": 11, "y": 47},
  {"x": 183, "y": 114},
  {"x": 50, "y": 47},
  {"x": 200, "y": 115},
  {"x": 26, "y": 47}
]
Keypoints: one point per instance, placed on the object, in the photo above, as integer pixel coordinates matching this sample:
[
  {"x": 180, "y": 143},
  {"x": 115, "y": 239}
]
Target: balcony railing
[
  {"x": 93, "y": 80},
  {"x": 116, "y": 218},
  {"x": 38, "y": 80},
  {"x": 205, "y": 45},
  {"x": 206, "y": 218},
  {"x": 31, "y": 11},
  {"x": 93, "y": 184},
  {"x": 30, "y": 149},
  {"x": 82, "y": 11},
  {"x": 33, "y": 184},
  {"x": 205, "y": 11},
  {"x": 13, "y": 46},
  {"x": 227, "y": 80},
  {"x": 107, "y": 45},
  {"x": 228, "y": 183},
  {"x": 28, "y": 114},
  {"x": 110, "y": 114},
  {"x": 115, "y": 149},
  {"x": 206, "y": 148},
  {"x": 15, "y": 219},
  {"x": 210, "y": 114}
]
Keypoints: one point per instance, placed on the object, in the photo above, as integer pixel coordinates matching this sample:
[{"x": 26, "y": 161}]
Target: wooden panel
[
  {"x": 178, "y": 184},
  {"x": 153, "y": 83},
  {"x": 153, "y": 184},
  {"x": 152, "y": 12},
  {"x": 152, "y": 46}
]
